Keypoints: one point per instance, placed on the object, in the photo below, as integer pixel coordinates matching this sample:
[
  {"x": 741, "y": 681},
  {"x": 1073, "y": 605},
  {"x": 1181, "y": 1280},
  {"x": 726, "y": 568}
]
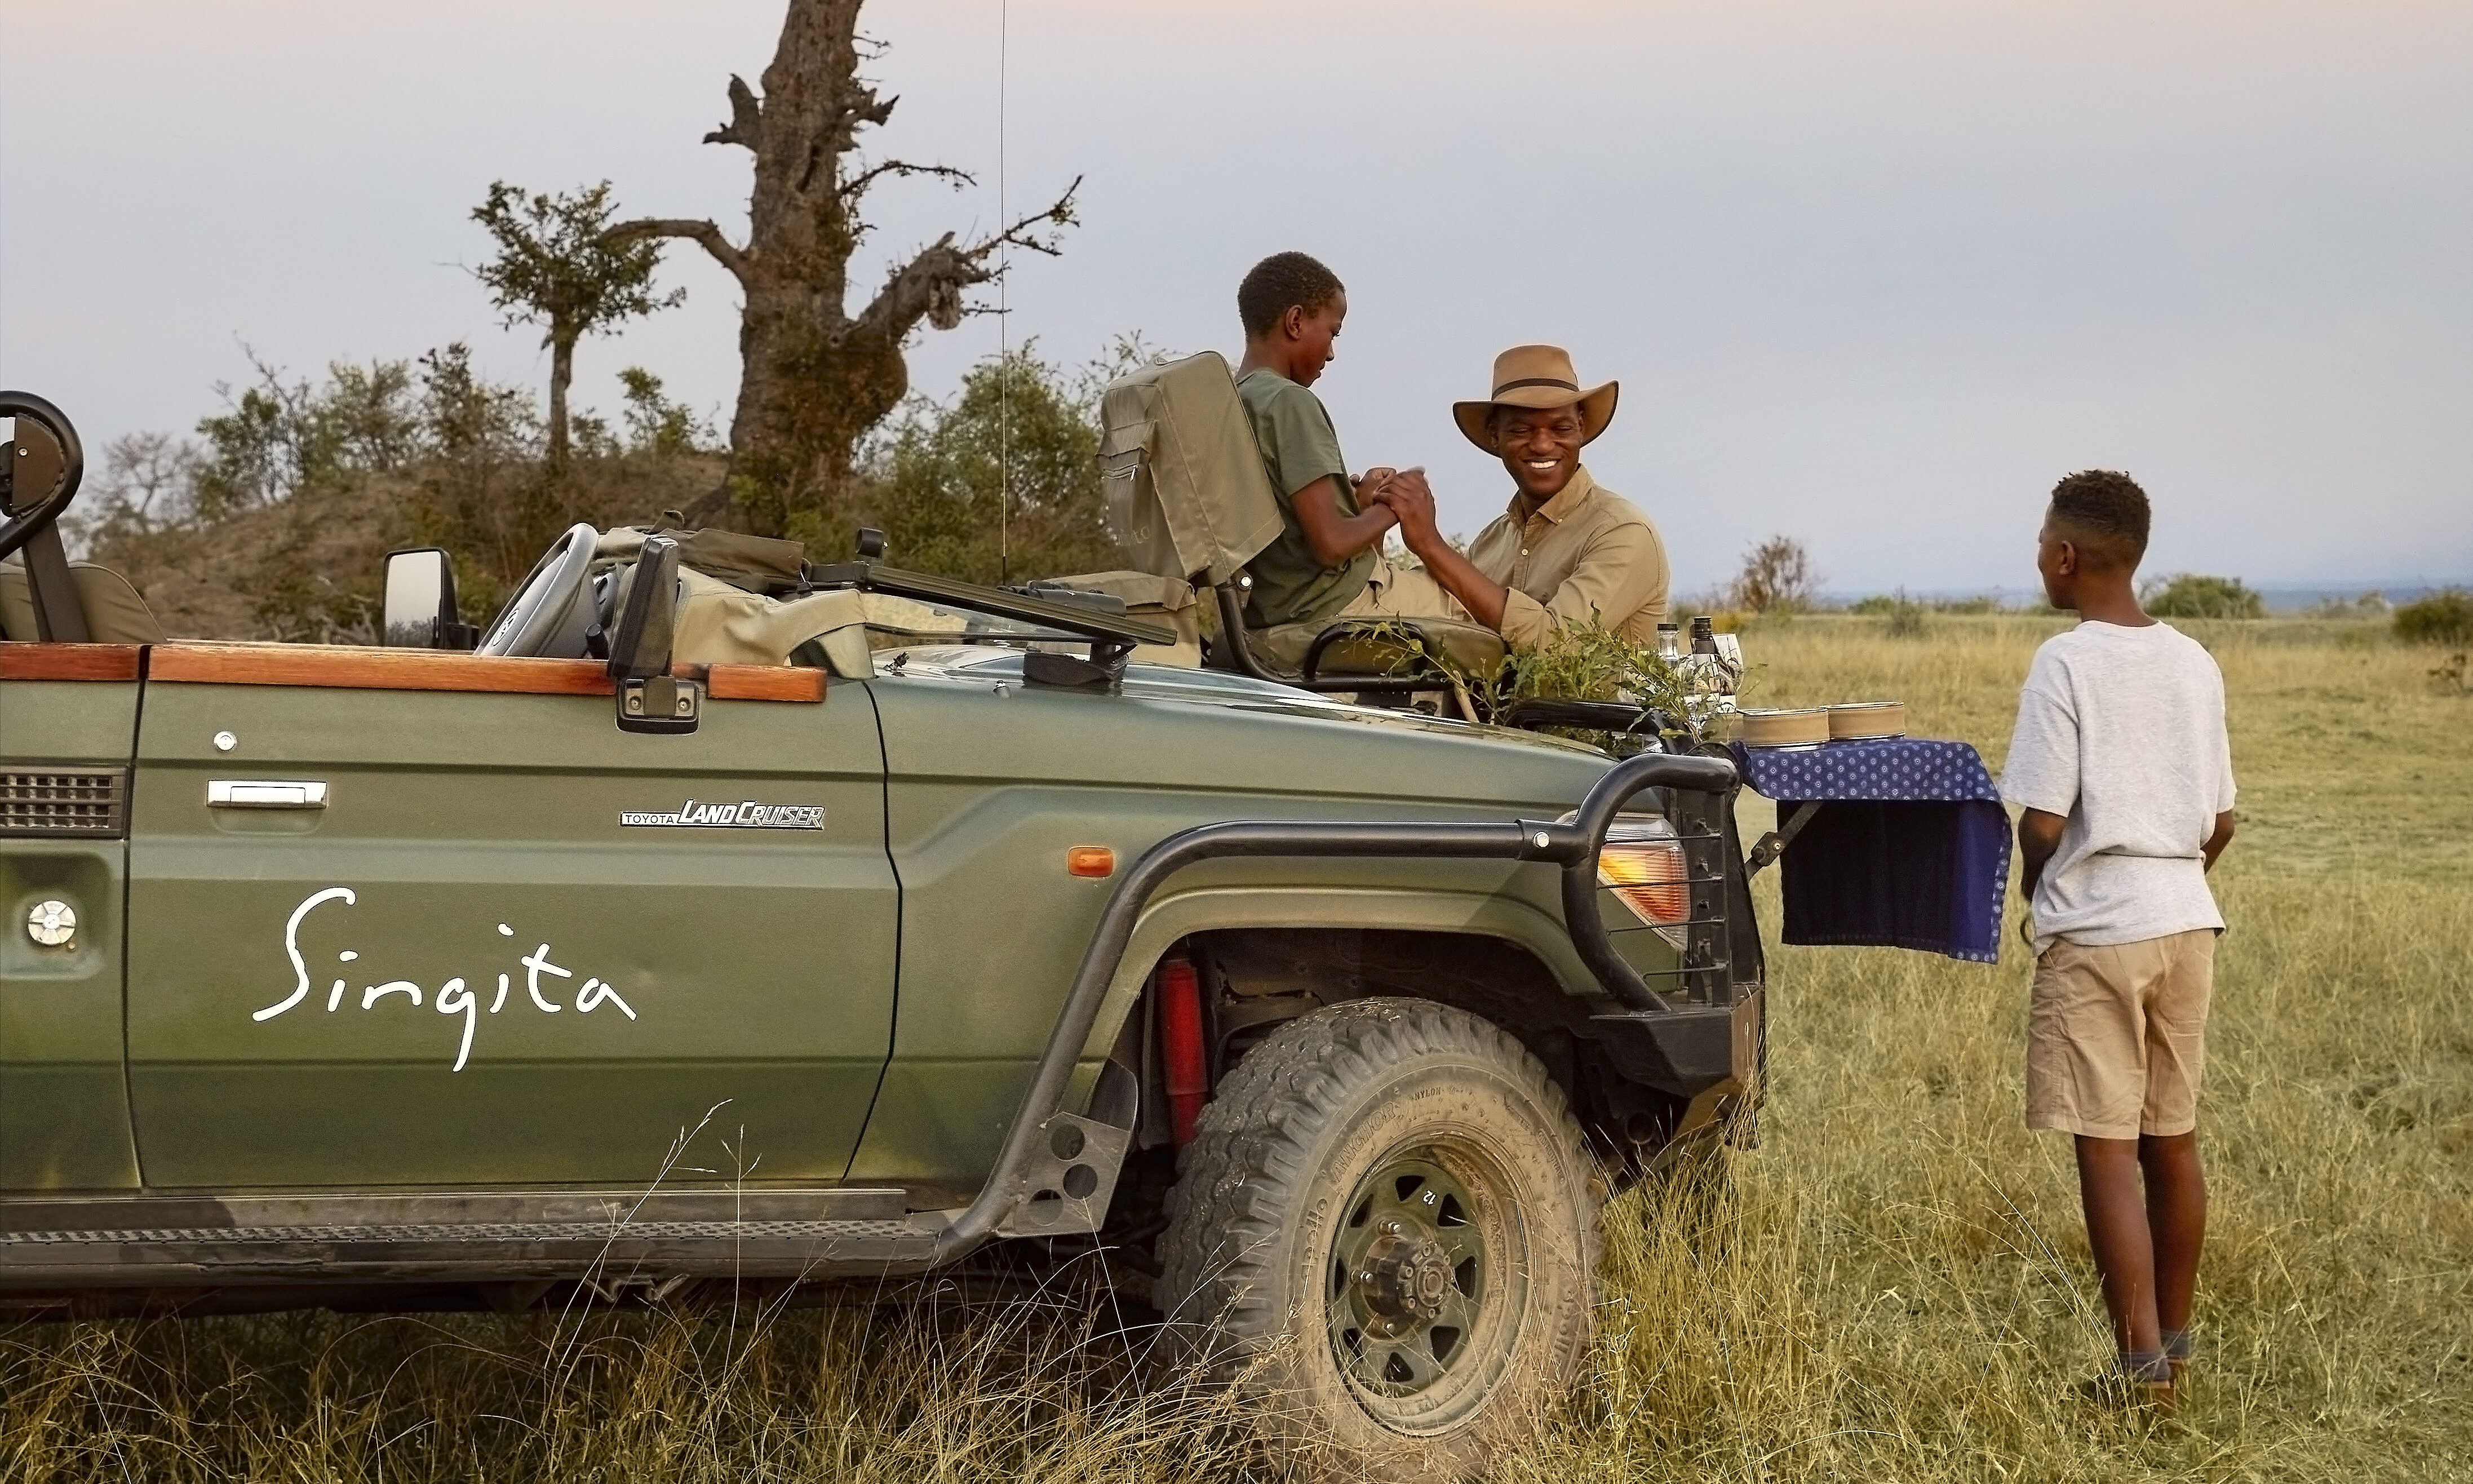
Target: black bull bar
[{"x": 1573, "y": 845}]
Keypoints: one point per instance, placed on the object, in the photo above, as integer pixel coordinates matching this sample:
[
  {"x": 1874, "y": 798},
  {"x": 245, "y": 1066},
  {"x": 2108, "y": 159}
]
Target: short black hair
[
  {"x": 1280, "y": 282},
  {"x": 2103, "y": 513}
]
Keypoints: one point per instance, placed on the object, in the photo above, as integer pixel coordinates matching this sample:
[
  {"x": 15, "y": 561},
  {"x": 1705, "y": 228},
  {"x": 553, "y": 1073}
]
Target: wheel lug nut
[{"x": 1391, "y": 1226}]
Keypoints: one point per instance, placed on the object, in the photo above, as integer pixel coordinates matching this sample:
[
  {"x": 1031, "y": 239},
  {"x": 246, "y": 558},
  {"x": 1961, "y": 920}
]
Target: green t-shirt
[{"x": 1299, "y": 446}]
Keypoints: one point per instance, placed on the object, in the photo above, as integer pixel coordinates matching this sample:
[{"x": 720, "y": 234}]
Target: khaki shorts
[{"x": 2116, "y": 1036}]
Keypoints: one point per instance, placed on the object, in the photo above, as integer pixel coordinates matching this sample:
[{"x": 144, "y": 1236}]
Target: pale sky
[{"x": 1871, "y": 274}]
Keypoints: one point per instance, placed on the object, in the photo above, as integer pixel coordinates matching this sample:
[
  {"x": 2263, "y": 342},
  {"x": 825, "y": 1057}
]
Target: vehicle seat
[
  {"x": 114, "y": 612},
  {"x": 1378, "y": 646}
]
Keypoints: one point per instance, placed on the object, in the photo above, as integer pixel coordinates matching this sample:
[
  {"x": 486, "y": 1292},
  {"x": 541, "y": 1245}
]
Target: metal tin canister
[
  {"x": 1867, "y": 720},
  {"x": 1804, "y": 727}
]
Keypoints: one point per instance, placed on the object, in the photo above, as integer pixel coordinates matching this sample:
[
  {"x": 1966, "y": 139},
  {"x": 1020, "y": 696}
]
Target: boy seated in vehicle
[{"x": 1326, "y": 562}]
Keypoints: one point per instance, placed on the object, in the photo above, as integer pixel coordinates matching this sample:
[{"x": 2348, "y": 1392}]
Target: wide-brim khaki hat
[{"x": 1538, "y": 376}]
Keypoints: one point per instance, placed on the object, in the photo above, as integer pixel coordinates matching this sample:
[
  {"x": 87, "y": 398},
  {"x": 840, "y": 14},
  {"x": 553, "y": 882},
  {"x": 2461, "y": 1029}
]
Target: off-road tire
[{"x": 1293, "y": 1170}]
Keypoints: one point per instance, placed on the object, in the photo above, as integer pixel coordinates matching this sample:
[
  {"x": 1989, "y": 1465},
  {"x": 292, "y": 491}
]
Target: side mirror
[
  {"x": 649, "y": 699},
  {"x": 420, "y": 609}
]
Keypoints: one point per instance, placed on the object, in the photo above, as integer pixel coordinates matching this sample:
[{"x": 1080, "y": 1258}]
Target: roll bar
[
  {"x": 29, "y": 518},
  {"x": 23, "y": 522}
]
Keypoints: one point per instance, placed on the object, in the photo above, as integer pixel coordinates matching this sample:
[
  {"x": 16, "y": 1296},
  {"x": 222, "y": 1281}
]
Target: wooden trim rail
[
  {"x": 26, "y": 660},
  {"x": 352, "y": 668}
]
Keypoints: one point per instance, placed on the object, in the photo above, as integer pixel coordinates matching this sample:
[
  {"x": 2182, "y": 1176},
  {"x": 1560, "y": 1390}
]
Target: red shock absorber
[{"x": 1186, "y": 1073}]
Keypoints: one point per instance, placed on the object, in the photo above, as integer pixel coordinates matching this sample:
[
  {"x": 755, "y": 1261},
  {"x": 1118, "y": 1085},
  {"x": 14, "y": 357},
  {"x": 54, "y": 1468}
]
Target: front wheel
[{"x": 1386, "y": 1227}]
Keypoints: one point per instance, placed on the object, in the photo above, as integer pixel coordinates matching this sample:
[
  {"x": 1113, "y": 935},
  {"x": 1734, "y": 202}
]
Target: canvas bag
[
  {"x": 757, "y": 564},
  {"x": 724, "y": 616},
  {"x": 1186, "y": 493},
  {"x": 1165, "y": 601}
]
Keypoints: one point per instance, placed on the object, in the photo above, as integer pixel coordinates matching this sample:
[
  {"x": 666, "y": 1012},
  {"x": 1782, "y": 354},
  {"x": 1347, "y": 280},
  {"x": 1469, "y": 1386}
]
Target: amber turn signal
[
  {"x": 1090, "y": 860},
  {"x": 1650, "y": 879}
]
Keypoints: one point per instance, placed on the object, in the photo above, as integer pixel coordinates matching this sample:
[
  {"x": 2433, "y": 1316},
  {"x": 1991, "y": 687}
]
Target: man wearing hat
[{"x": 1567, "y": 551}]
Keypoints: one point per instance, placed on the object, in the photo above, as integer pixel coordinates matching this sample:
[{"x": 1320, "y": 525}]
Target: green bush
[
  {"x": 997, "y": 484},
  {"x": 2373, "y": 604},
  {"x": 1905, "y": 616},
  {"x": 2444, "y": 618},
  {"x": 2190, "y": 595},
  {"x": 1894, "y": 605}
]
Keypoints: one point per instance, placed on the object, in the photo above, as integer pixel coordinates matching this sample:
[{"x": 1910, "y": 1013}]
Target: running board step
[{"x": 478, "y": 1252}]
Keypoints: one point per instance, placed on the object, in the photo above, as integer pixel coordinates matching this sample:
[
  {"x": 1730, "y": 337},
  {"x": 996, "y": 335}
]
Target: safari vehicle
[{"x": 599, "y": 961}]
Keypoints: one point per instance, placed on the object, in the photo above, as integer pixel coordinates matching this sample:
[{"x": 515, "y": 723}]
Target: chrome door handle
[{"x": 266, "y": 793}]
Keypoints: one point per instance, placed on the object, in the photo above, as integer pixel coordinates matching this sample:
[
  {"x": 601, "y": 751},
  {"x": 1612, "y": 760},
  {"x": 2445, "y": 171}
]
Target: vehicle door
[
  {"x": 416, "y": 919},
  {"x": 68, "y": 713}
]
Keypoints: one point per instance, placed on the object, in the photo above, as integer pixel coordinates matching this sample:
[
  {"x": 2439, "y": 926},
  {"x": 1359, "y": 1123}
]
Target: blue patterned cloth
[{"x": 1909, "y": 848}]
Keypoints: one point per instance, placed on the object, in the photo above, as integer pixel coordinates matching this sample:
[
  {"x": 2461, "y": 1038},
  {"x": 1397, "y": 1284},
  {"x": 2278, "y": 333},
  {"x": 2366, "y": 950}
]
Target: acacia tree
[
  {"x": 814, "y": 376},
  {"x": 559, "y": 266}
]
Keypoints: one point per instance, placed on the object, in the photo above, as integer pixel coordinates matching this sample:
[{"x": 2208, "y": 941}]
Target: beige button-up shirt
[{"x": 1587, "y": 555}]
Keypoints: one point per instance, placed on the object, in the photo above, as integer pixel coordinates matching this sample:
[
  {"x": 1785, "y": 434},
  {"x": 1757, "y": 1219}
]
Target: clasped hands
[{"x": 1404, "y": 493}]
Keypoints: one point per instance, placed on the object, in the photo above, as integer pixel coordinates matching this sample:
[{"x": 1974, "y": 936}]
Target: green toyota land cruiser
[{"x": 726, "y": 916}]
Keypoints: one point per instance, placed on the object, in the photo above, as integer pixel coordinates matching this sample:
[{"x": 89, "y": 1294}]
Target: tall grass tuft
[{"x": 920, "y": 1386}]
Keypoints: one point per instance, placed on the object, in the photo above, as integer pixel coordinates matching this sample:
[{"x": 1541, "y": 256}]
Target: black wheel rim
[{"x": 1408, "y": 1281}]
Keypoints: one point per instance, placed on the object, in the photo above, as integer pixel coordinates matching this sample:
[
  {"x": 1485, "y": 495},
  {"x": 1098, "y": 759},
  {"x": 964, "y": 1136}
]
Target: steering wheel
[
  {"x": 549, "y": 612},
  {"x": 29, "y": 510}
]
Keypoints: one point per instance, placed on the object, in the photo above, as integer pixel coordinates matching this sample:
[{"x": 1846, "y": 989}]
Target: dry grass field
[{"x": 1893, "y": 1286}]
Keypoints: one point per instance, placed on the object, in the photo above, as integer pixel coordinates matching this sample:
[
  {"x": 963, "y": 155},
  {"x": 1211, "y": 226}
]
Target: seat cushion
[
  {"x": 114, "y": 612},
  {"x": 1379, "y": 646}
]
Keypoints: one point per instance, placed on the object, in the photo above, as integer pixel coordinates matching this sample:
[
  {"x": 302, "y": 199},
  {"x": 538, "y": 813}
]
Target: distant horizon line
[
  {"x": 2279, "y": 597},
  {"x": 2351, "y": 587}
]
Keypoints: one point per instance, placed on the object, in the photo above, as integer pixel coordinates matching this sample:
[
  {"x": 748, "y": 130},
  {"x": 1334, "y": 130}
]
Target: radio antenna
[{"x": 1004, "y": 326}]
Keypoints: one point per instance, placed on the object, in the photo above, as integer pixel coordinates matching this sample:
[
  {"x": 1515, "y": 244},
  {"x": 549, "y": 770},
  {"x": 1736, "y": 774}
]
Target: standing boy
[{"x": 2124, "y": 773}]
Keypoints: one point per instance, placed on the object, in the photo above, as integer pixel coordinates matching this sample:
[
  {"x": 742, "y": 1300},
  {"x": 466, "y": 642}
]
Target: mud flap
[{"x": 1064, "y": 1186}]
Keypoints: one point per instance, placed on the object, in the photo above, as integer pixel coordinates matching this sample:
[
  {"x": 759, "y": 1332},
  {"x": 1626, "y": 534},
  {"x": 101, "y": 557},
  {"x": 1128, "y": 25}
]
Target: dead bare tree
[{"x": 815, "y": 378}]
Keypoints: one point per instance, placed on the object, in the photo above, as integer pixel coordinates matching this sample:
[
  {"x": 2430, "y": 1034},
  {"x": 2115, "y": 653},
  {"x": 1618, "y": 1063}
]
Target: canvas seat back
[
  {"x": 1186, "y": 495},
  {"x": 114, "y": 612}
]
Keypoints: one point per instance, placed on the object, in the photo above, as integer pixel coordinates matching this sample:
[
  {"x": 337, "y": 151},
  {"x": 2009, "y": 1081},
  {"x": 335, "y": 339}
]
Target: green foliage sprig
[{"x": 1583, "y": 661}]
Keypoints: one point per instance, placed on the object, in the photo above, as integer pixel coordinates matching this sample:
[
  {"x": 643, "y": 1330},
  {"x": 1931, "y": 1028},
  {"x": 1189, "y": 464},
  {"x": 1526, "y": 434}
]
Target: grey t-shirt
[{"x": 2121, "y": 733}]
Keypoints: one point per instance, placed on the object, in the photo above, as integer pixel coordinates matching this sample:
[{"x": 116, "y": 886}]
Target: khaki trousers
[{"x": 1390, "y": 592}]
